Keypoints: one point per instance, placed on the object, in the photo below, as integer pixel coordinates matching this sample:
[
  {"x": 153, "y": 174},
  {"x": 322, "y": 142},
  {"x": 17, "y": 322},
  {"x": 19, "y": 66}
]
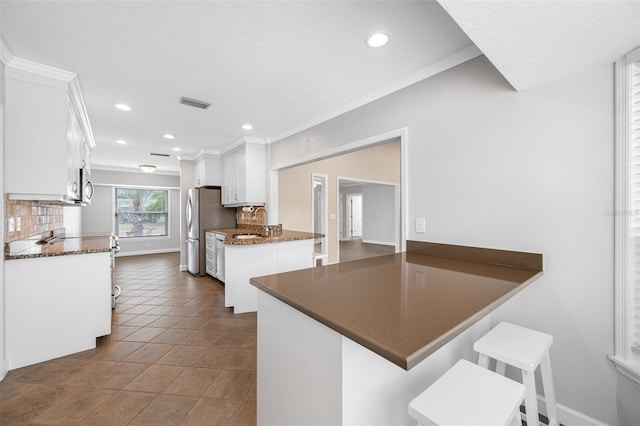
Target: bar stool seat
[
  {"x": 468, "y": 394},
  {"x": 525, "y": 349}
]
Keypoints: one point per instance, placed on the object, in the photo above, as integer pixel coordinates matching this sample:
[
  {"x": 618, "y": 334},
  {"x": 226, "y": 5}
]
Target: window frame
[
  {"x": 627, "y": 362},
  {"x": 141, "y": 237}
]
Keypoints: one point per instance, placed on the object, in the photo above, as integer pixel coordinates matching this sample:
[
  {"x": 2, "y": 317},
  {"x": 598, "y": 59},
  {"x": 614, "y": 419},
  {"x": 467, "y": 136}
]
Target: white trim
[
  {"x": 463, "y": 55},
  {"x": 325, "y": 212},
  {"x": 176, "y": 188},
  {"x": 143, "y": 252},
  {"x": 381, "y": 243},
  {"x": 132, "y": 170},
  {"x": 77, "y": 100},
  {"x": 630, "y": 371},
  {"x": 344, "y": 149},
  {"x": 622, "y": 295},
  {"x": 41, "y": 69},
  {"x": 5, "y": 368},
  {"x": 568, "y": 416}
]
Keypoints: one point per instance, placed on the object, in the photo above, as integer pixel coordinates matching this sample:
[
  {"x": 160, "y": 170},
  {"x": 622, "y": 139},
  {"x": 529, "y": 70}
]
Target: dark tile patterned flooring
[{"x": 175, "y": 356}]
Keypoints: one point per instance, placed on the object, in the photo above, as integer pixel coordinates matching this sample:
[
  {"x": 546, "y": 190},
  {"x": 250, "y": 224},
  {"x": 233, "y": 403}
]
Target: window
[
  {"x": 627, "y": 217},
  {"x": 141, "y": 212}
]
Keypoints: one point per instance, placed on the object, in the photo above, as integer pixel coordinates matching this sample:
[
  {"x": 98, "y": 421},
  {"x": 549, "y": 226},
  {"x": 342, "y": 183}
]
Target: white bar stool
[
  {"x": 319, "y": 256},
  {"x": 524, "y": 349},
  {"x": 468, "y": 394}
]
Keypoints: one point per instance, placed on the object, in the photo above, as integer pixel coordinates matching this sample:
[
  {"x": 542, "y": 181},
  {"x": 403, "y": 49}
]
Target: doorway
[
  {"x": 369, "y": 223},
  {"x": 319, "y": 214},
  {"x": 353, "y": 219}
]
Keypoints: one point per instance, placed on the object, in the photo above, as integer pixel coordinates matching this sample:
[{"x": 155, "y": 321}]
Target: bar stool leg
[
  {"x": 483, "y": 361},
  {"x": 500, "y": 367},
  {"x": 531, "y": 399},
  {"x": 549, "y": 391}
]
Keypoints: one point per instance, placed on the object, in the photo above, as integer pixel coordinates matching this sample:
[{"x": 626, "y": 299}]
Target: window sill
[
  {"x": 146, "y": 238},
  {"x": 631, "y": 371}
]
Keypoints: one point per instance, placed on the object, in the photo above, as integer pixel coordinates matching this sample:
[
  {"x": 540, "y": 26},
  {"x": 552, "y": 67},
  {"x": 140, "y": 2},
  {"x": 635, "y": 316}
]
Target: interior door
[{"x": 354, "y": 204}]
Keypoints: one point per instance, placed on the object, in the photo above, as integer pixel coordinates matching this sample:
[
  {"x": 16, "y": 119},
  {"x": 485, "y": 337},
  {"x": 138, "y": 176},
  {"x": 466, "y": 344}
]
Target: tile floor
[{"x": 175, "y": 356}]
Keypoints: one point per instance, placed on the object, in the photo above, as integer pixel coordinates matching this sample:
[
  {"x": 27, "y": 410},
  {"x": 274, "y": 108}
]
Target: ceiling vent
[
  {"x": 194, "y": 103},
  {"x": 157, "y": 154}
]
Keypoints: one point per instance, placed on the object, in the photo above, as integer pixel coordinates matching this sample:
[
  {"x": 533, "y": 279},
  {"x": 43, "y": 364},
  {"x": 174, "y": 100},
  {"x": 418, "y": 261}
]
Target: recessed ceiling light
[
  {"x": 123, "y": 107},
  {"x": 168, "y": 136},
  {"x": 177, "y": 149},
  {"x": 121, "y": 142},
  {"x": 247, "y": 126},
  {"x": 378, "y": 39},
  {"x": 147, "y": 168}
]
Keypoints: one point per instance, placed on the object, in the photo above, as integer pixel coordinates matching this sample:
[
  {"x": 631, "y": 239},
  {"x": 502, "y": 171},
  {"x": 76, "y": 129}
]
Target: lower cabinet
[
  {"x": 58, "y": 306},
  {"x": 215, "y": 255}
]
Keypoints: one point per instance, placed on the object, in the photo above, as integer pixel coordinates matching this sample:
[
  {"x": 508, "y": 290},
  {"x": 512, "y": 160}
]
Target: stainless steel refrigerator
[{"x": 204, "y": 211}]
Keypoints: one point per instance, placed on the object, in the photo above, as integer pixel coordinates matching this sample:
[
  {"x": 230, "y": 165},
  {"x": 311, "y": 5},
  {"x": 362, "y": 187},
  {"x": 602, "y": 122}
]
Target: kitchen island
[
  {"x": 354, "y": 342},
  {"x": 250, "y": 251}
]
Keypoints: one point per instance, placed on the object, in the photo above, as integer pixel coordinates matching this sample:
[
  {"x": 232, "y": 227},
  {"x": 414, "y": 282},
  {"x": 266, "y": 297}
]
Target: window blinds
[{"x": 634, "y": 188}]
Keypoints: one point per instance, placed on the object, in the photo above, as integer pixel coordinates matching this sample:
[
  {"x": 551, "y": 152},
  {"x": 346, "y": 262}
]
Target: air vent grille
[
  {"x": 157, "y": 154},
  {"x": 194, "y": 103}
]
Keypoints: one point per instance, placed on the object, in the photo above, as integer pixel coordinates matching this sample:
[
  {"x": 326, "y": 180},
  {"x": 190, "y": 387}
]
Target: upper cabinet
[
  {"x": 48, "y": 138},
  {"x": 207, "y": 170},
  {"x": 243, "y": 175}
]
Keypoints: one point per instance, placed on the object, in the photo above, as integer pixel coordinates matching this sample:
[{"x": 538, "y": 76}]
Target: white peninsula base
[
  {"x": 310, "y": 374},
  {"x": 252, "y": 260}
]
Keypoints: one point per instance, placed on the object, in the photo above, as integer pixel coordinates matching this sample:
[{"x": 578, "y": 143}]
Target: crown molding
[
  {"x": 242, "y": 141},
  {"x": 204, "y": 153},
  {"x": 26, "y": 65},
  {"x": 456, "y": 58}
]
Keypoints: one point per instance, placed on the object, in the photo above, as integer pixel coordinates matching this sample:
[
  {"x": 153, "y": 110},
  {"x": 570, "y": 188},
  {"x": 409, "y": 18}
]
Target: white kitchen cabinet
[
  {"x": 207, "y": 170},
  {"x": 244, "y": 175},
  {"x": 57, "y": 312},
  {"x": 48, "y": 136},
  {"x": 215, "y": 255}
]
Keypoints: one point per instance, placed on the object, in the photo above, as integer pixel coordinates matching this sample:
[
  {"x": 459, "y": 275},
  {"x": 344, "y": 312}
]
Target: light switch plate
[
  {"x": 332, "y": 216},
  {"x": 18, "y": 224},
  {"x": 11, "y": 225},
  {"x": 420, "y": 224}
]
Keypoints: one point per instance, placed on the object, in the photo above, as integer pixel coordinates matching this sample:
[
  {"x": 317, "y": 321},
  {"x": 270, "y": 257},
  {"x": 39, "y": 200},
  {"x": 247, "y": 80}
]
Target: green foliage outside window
[{"x": 141, "y": 212}]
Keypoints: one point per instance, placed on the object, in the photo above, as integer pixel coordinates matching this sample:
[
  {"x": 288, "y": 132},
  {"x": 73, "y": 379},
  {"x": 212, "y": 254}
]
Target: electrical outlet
[
  {"x": 420, "y": 279},
  {"x": 11, "y": 225},
  {"x": 18, "y": 224},
  {"x": 332, "y": 216},
  {"x": 420, "y": 224}
]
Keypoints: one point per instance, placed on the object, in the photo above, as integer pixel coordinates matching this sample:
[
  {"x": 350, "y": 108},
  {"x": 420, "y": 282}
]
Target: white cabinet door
[
  {"x": 244, "y": 176},
  {"x": 211, "y": 266},
  {"x": 220, "y": 265}
]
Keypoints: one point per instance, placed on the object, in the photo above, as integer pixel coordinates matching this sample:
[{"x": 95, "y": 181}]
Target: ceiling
[
  {"x": 277, "y": 65},
  {"x": 283, "y": 66}
]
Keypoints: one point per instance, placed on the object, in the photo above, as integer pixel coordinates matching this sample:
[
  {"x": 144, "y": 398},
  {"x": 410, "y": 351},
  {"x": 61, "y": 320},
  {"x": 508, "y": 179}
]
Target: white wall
[
  {"x": 98, "y": 216},
  {"x": 529, "y": 171}
]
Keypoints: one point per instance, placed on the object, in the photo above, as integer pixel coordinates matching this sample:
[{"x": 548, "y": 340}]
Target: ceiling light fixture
[
  {"x": 377, "y": 40},
  {"x": 147, "y": 168},
  {"x": 121, "y": 142},
  {"x": 247, "y": 126},
  {"x": 169, "y": 136},
  {"x": 123, "y": 107},
  {"x": 177, "y": 149}
]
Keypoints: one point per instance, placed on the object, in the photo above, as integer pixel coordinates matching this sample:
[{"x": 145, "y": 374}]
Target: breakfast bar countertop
[{"x": 405, "y": 306}]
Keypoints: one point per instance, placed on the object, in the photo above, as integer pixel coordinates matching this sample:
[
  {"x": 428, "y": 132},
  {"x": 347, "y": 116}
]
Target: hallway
[{"x": 176, "y": 355}]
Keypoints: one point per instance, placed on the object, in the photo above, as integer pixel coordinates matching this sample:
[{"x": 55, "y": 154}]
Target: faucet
[{"x": 255, "y": 215}]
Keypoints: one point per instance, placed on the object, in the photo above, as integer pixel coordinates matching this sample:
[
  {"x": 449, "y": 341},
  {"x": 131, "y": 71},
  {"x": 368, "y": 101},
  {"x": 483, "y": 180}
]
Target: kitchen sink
[{"x": 245, "y": 236}]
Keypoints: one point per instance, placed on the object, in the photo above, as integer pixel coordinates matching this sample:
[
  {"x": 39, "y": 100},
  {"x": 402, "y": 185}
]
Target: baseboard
[
  {"x": 183, "y": 268},
  {"x": 382, "y": 243},
  {"x": 4, "y": 368},
  {"x": 142, "y": 252},
  {"x": 568, "y": 416}
]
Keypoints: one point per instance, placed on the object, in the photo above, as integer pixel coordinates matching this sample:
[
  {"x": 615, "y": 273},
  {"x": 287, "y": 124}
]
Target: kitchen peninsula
[
  {"x": 60, "y": 294},
  {"x": 354, "y": 342},
  {"x": 251, "y": 251}
]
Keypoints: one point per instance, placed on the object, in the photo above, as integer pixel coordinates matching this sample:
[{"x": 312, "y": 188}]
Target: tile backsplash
[
  {"x": 35, "y": 218},
  {"x": 246, "y": 218}
]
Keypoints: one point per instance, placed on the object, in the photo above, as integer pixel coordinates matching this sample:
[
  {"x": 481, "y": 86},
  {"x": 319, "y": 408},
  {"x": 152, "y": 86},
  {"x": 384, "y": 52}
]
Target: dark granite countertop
[
  {"x": 63, "y": 245},
  {"x": 405, "y": 306},
  {"x": 284, "y": 236}
]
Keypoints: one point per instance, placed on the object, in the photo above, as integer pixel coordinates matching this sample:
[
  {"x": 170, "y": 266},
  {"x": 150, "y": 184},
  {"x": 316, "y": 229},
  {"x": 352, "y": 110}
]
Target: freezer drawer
[{"x": 193, "y": 256}]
